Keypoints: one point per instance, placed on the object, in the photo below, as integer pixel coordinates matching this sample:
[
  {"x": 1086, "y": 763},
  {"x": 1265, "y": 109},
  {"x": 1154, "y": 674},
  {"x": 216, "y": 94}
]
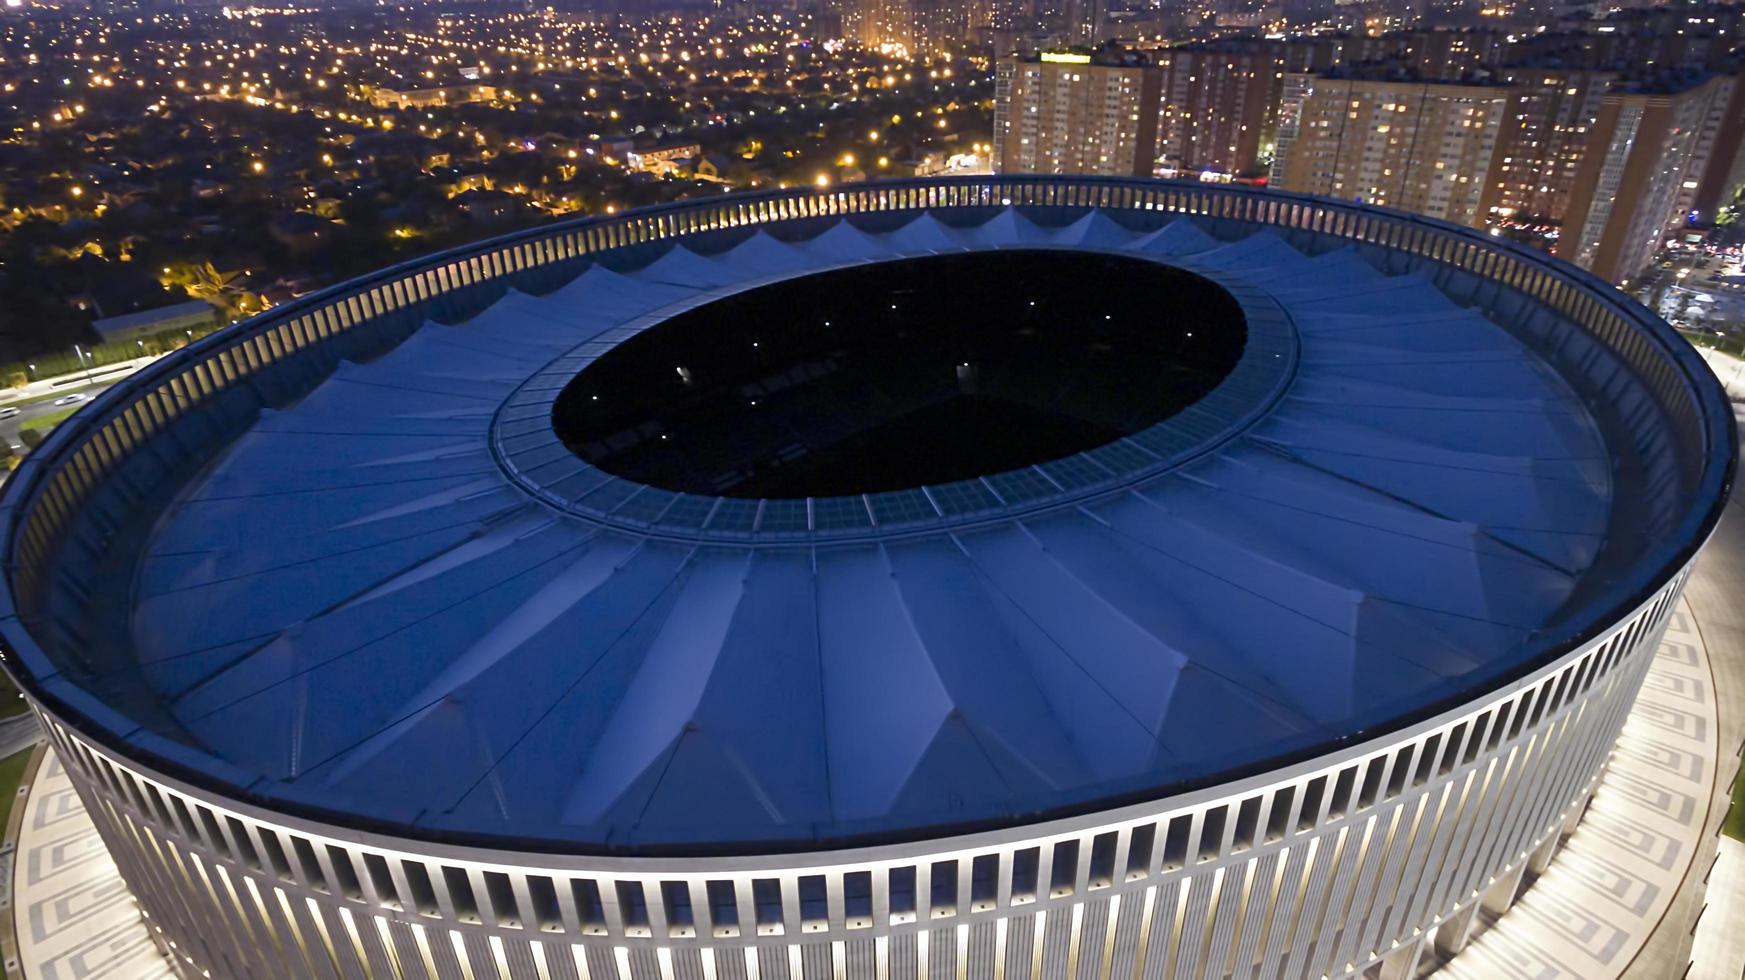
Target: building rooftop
[
  {"x": 408, "y": 596},
  {"x": 1399, "y": 71},
  {"x": 146, "y": 320},
  {"x": 1673, "y": 82},
  {"x": 1108, "y": 56}
]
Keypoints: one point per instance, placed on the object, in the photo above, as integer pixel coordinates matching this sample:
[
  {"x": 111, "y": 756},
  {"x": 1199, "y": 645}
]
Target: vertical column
[
  {"x": 1452, "y": 934},
  {"x": 1501, "y": 893},
  {"x": 1402, "y": 963},
  {"x": 1541, "y": 857}
]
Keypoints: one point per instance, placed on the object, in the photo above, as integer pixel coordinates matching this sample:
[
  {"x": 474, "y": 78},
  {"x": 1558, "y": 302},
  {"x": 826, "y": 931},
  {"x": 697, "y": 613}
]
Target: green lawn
[
  {"x": 49, "y": 421},
  {"x": 1735, "y": 825},
  {"x": 11, "y": 775},
  {"x": 11, "y": 705}
]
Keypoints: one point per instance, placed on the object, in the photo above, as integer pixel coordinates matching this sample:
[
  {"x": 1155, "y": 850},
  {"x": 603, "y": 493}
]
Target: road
[
  {"x": 33, "y": 399},
  {"x": 9, "y": 427}
]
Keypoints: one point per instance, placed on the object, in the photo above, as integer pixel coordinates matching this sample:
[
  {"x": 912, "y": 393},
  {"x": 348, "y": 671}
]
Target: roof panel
[{"x": 605, "y": 661}]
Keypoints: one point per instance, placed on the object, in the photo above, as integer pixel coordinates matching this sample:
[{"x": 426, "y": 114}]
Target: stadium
[{"x": 998, "y": 578}]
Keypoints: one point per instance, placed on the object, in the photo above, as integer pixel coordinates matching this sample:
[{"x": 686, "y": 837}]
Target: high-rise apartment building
[
  {"x": 1543, "y": 140},
  {"x": 1411, "y": 144},
  {"x": 1557, "y": 134},
  {"x": 1218, "y": 106},
  {"x": 937, "y": 26},
  {"x": 1717, "y": 168},
  {"x": 1446, "y": 55},
  {"x": 1663, "y": 39},
  {"x": 1084, "y": 21},
  {"x": 916, "y": 26},
  {"x": 1643, "y": 148},
  {"x": 1075, "y": 113}
]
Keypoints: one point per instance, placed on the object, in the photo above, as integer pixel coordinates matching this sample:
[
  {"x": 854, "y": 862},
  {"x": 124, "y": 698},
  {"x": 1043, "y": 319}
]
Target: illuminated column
[
  {"x": 1452, "y": 934},
  {"x": 1402, "y": 963},
  {"x": 1541, "y": 857},
  {"x": 1501, "y": 894}
]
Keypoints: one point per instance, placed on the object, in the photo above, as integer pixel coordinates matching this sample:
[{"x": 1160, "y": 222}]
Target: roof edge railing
[{"x": 314, "y": 332}]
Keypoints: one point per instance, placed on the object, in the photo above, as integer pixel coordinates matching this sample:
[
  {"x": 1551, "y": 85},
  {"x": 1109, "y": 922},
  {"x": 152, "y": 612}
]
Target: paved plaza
[
  {"x": 75, "y": 919},
  {"x": 1609, "y": 887}
]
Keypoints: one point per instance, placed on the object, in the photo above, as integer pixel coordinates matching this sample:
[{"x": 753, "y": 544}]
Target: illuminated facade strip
[{"x": 1322, "y": 868}]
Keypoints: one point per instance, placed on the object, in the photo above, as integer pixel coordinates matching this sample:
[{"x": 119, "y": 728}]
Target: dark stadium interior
[{"x": 903, "y": 373}]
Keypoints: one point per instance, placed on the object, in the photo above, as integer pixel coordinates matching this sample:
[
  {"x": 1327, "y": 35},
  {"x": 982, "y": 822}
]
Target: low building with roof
[{"x": 195, "y": 314}]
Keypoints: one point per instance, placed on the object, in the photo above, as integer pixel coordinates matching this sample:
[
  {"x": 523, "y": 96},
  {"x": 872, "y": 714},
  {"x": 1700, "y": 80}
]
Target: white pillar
[
  {"x": 1575, "y": 814},
  {"x": 1501, "y": 894},
  {"x": 1452, "y": 934},
  {"x": 1541, "y": 857},
  {"x": 1402, "y": 963}
]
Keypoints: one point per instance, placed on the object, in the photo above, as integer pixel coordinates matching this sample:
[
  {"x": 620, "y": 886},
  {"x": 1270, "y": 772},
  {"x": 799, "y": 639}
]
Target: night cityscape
[{"x": 871, "y": 490}]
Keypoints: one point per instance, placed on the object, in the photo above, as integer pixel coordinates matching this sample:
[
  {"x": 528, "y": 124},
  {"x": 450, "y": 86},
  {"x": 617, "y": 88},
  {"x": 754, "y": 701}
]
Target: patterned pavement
[
  {"x": 1607, "y": 889},
  {"x": 1584, "y": 919},
  {"x": 75, "y": 919}
]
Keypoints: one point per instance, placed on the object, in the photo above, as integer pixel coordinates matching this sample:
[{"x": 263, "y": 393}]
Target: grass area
[
  {"x": 1735, "y": 825},
  {"x": 11, "y": 777},
  {"x": 11, "y": 703},
  {"x": 49, "y": 421},
  {"x": 11, "y": 774}
]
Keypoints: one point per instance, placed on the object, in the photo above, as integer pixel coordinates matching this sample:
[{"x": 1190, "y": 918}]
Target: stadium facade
[{"x": 414, "y": 629}]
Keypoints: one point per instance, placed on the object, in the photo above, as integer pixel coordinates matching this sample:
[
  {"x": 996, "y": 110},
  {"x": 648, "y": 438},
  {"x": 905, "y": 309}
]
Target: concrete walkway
[
  {"x": 1729, "y": 369},
  {"x": 1714, "y": 595},
  {"x": 18, "y": 733},
  {"x": 1591, "y": 912},
  {"x": 75, "y": 918}
]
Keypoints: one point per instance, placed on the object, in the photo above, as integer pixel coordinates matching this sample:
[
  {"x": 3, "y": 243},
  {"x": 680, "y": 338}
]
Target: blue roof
[{"x": 379, "y": 598}]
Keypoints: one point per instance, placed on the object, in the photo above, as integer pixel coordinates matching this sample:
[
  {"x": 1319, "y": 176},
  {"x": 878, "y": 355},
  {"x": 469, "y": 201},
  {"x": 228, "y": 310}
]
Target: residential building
[
  {"x": 418, "y": 98},
  {"x": 1718, "y": 167},
  {"x": 1393, "y": 140},
  {"x": 1642, "y": 150},
  {"x": 195, "y": 314},
  {"x": 919, "y": 27},
  {"x": 1218, "y": 106},
  {"x": 1084, "y": 21},
  {"x": 1072, "y": 112},
  {"x": 1543, "y": 140}
]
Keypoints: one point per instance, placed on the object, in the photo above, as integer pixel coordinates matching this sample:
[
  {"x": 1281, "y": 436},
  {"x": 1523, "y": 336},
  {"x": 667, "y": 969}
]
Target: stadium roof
[{"x": 375, "y": 599}]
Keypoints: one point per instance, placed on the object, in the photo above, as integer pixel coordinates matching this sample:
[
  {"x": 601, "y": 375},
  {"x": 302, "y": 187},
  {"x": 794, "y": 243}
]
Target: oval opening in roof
[{"x": 897, "y": 374}]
